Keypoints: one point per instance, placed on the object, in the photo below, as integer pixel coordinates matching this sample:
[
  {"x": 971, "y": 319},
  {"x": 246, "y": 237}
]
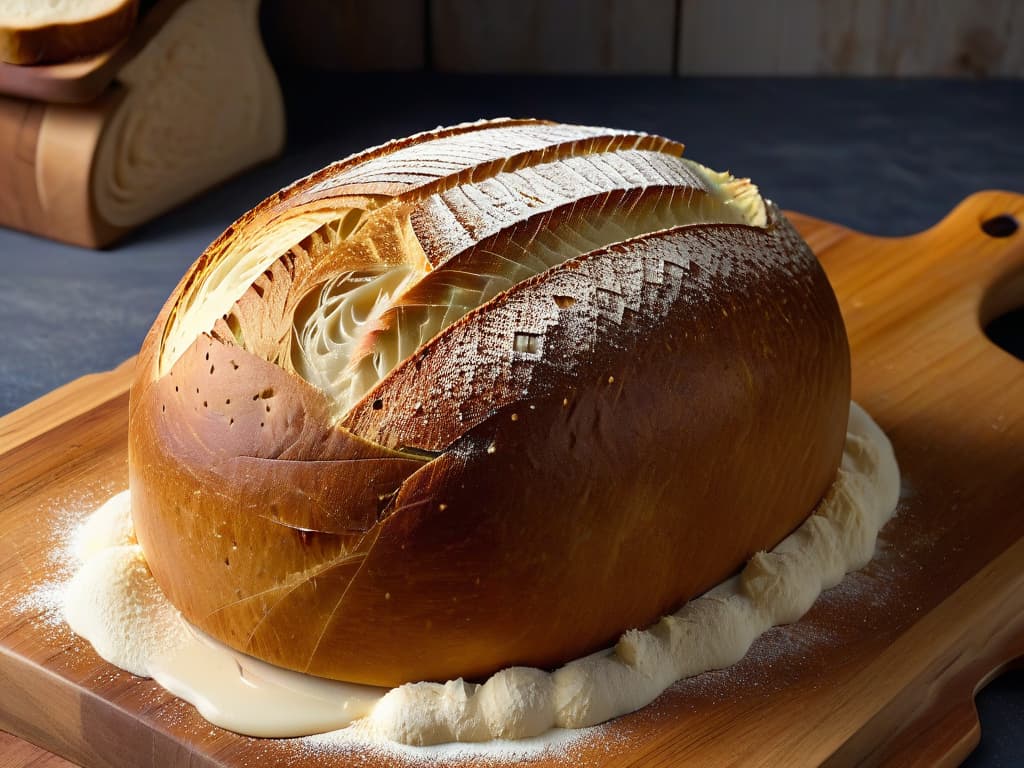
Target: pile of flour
[{"x": 114, "y": 603}]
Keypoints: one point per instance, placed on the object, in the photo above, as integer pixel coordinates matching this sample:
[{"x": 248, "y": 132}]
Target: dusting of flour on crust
[{"x": 114, "y": 602}]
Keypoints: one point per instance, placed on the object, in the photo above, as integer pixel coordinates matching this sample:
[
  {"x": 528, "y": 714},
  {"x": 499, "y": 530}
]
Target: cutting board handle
[
  {"x": 934, "y": 722},
  {"x": 1000, "y": 276},
  {"x": 1001, "y": 220},
  {"x": 955, "y": 277},
  {"x": 941, "y": 287},
  {"x": 991, "y": 262}
]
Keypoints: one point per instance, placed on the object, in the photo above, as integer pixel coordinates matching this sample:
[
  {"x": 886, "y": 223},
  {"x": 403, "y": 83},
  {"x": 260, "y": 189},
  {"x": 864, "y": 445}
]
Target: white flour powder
[{"x": 114, "y": 602}]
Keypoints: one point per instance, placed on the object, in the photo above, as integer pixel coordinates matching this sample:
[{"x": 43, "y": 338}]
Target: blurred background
[{"x": 687, "y": 38}]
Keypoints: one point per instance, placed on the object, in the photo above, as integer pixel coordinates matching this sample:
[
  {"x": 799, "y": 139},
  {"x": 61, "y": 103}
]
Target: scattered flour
[
  {"x": 521, "y": 712},
  {"x": 711, "y": 632},
  {"x": 43, "y": 605},
  {"x": 361, "y": 740},
  {"x": 109, "y": 526}
]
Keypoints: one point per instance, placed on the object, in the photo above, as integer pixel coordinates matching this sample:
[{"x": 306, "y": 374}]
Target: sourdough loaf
[
  {"x": 486, "y": 396},
  {"x": 36, "y": 32}
]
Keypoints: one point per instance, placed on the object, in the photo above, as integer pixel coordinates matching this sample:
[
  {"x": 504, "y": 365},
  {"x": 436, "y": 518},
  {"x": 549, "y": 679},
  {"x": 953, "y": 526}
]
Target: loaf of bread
[
  {"x": 38, "y": 31},
  {"x": 486, "y": 396}
]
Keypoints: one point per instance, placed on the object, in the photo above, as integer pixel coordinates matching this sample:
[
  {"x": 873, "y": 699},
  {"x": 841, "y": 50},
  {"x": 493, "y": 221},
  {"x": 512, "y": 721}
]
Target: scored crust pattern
[{"x": 385, "y": 416}]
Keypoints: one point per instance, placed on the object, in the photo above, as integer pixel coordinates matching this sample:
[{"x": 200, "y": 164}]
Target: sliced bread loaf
[{"x": 46, "y": 31}]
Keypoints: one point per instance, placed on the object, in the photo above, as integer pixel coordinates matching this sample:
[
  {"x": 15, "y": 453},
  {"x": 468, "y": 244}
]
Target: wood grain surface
[
  {"x": 883, "y": 668},
  {"x": 46, "y": 181},
  {"x": 621, "y": 36},
  {"x": 347, "y": 35},
  {"x": 17, "y": 753},
  {"x": 874, "y": 38}
]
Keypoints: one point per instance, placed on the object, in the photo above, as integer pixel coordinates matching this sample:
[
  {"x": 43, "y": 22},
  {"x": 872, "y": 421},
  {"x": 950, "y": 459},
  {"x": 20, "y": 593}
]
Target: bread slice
[
  {"x": 600, "y": 377},
  {"x": 36, "y": 32}
]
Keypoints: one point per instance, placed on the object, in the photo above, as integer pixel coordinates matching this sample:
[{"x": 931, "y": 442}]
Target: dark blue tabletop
[{"x": 888, "y": 157}]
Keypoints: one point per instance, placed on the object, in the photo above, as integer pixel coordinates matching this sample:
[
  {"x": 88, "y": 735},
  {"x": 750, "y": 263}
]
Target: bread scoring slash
[{"x": 486, "y": 396}]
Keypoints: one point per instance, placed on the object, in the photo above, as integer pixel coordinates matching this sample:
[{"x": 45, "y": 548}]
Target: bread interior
[
  {"x": 378, "y": 298},
  {"x": 246, "y": 255},
  {"x": 352, "y": 331}
]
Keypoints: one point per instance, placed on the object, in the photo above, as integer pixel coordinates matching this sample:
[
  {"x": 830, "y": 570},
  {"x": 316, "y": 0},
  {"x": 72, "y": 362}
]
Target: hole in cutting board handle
[
  {"x": 1007, "y": 332},
  {"x": 1002, "y": 309},
  {"x": 1003, "y": 225}
]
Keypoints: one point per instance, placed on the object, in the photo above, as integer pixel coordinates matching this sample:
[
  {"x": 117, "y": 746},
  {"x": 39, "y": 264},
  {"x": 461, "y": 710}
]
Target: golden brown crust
[
  {"x": 241, "y": 488},
  {"x": 586, "y": 450},
  {"x": 601, "y": 485},
  {"x": 396, "y": 175},
  {"x": 57, "y": 42}
]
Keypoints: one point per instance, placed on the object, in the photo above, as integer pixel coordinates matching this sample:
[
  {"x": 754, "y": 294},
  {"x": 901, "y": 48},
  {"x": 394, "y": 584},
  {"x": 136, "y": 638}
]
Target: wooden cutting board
[{"x": 882, "y": 670}]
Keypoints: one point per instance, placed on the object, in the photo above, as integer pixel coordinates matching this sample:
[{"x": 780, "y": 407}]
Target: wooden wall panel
[
  {"x": 890, "y": 38},
  {"x": 600, "y": 36},
  {"x": 841, "y": 37},
  {"x": 351, "y": 35}
]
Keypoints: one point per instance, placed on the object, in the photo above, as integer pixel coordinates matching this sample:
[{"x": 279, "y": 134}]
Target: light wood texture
[
  {"x": 63, "y": 404},
  {"x": 887, "y": 38},
  {"x": 537, "y": 36},
  {"x": 881, "y": 670},
  {"x": 348, "y": 34},
  {"x": 46, "y": 182},
  {"x": 892, "y": 38},
  {"x": 83, "y": 80},
  {"x": 15, "y": 753}
]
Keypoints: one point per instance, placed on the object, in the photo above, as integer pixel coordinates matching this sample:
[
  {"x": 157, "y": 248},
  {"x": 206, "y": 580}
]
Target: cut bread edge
[{"x": 57, "y": 41}]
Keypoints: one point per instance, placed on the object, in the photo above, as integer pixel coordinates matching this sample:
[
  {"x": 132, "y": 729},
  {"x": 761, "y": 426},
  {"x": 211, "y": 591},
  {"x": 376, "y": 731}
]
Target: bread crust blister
[{"x": 596, "y": 379}]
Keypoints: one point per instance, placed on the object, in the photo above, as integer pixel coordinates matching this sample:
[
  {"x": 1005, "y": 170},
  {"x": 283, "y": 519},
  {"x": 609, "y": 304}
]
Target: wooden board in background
[
  {"x": 874, "y": 38},
  {"x": 349, "y": 35},
  {"x": 616, "y": 36},
  {"x": 47, "y": 160},
  {"x": 881, "y": 670},
  {"x": 881, "y": 38},
  {"x": 884, "y": 38}
]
